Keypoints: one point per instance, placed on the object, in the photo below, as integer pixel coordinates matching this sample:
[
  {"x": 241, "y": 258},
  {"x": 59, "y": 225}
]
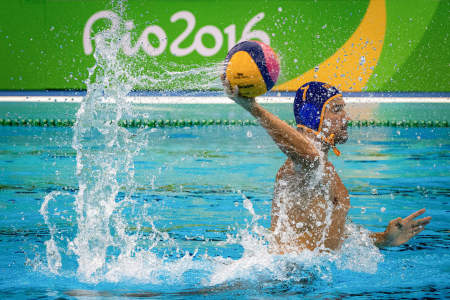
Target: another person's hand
[
  {"x": 233, "y": 94},
  {"x": 399, "y": 230}
]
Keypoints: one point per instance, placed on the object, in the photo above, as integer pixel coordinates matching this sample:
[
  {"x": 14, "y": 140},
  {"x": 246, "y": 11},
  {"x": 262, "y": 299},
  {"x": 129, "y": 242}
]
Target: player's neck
[{"x": 324, "y": 147}]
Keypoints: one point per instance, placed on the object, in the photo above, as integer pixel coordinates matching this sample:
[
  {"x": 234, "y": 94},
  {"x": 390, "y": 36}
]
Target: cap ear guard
[{"x": 328, "y": 140}]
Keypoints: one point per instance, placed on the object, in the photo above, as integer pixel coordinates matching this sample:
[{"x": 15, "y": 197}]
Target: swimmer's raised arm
[
  {"x": 293, "y": 143},
  {"x": 399, "y": 230}
]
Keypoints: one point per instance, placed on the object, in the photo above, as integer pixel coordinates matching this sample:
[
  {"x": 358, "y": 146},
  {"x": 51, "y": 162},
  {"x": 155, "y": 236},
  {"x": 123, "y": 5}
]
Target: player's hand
[
  {"x": 233, "y": 94},
  {"x": 399, "y": 230}
]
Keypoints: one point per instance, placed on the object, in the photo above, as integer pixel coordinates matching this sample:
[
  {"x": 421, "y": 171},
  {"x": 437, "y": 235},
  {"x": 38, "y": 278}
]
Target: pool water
[{"x": 200, "y": 200}]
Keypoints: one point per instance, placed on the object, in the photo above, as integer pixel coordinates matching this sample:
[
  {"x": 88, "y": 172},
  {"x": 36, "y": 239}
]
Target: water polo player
[{"x": 310, "y": 202}]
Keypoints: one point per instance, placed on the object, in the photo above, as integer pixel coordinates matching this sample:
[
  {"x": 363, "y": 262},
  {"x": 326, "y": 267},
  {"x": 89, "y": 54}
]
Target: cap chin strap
[{"x": 328, "y": 140}]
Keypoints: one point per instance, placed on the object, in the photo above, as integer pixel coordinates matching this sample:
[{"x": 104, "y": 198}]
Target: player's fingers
[
  {"x": 418, "y": 230},
  {"x": 226, "y": 83},
  {"x": 236, "y": 91},
  {"x": 423, "y": 221},
  {"x": 229, "y": 91},
  {"x": 227, "y": 87},
  {"x": 414, "y": 215},
  {"x": 396, "y": 222}
]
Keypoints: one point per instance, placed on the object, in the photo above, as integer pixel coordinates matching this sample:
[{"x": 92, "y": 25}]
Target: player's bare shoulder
[
  {"x": 290, "y": 171},
  {"x": 299, "y": 185}
]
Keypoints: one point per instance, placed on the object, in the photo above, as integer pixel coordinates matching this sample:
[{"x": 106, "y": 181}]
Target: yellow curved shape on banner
[{"x": 351, "y": 66}]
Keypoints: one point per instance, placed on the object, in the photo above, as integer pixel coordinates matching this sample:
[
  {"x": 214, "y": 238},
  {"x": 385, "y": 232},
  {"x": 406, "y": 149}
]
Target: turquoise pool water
[{"x": 192, "y": 228}]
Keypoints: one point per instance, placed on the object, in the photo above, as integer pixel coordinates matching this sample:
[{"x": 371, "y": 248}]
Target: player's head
[{"x": 319, "y": 107}]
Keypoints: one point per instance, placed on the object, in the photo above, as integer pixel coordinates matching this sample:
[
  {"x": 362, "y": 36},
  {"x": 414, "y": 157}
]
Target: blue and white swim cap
[{"x": 310, "y": 102}]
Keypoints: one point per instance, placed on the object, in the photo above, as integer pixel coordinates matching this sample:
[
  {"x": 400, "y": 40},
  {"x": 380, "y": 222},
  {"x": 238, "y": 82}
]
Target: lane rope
[{"x": 137, "y": 123}]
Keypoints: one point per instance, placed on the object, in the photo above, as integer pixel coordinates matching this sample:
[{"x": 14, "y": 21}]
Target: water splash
[
  {"x": 52, "y": 251},
  {"x": 260, "y": 262},
  {"x": 105, "y": 164},
  {"x": 109, "y": 239},
  {"x": 308, "y": 209}
]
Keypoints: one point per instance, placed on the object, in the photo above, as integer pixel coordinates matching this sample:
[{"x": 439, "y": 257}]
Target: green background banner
[{"x": 45, "y": 44}]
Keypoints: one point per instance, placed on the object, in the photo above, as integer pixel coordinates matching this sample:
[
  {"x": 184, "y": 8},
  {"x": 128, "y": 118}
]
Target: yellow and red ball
[{"x": 253, "y": 66}]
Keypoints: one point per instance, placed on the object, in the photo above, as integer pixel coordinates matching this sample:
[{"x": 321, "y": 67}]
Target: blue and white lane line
[{"x": 219, "y": 99}]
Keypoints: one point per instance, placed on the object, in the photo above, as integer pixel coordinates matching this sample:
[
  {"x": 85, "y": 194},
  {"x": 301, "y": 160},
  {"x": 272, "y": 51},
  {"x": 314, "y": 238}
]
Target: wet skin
[
  {"x": 307, "y": 185},
  {"x": 305, "y": 205}
]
